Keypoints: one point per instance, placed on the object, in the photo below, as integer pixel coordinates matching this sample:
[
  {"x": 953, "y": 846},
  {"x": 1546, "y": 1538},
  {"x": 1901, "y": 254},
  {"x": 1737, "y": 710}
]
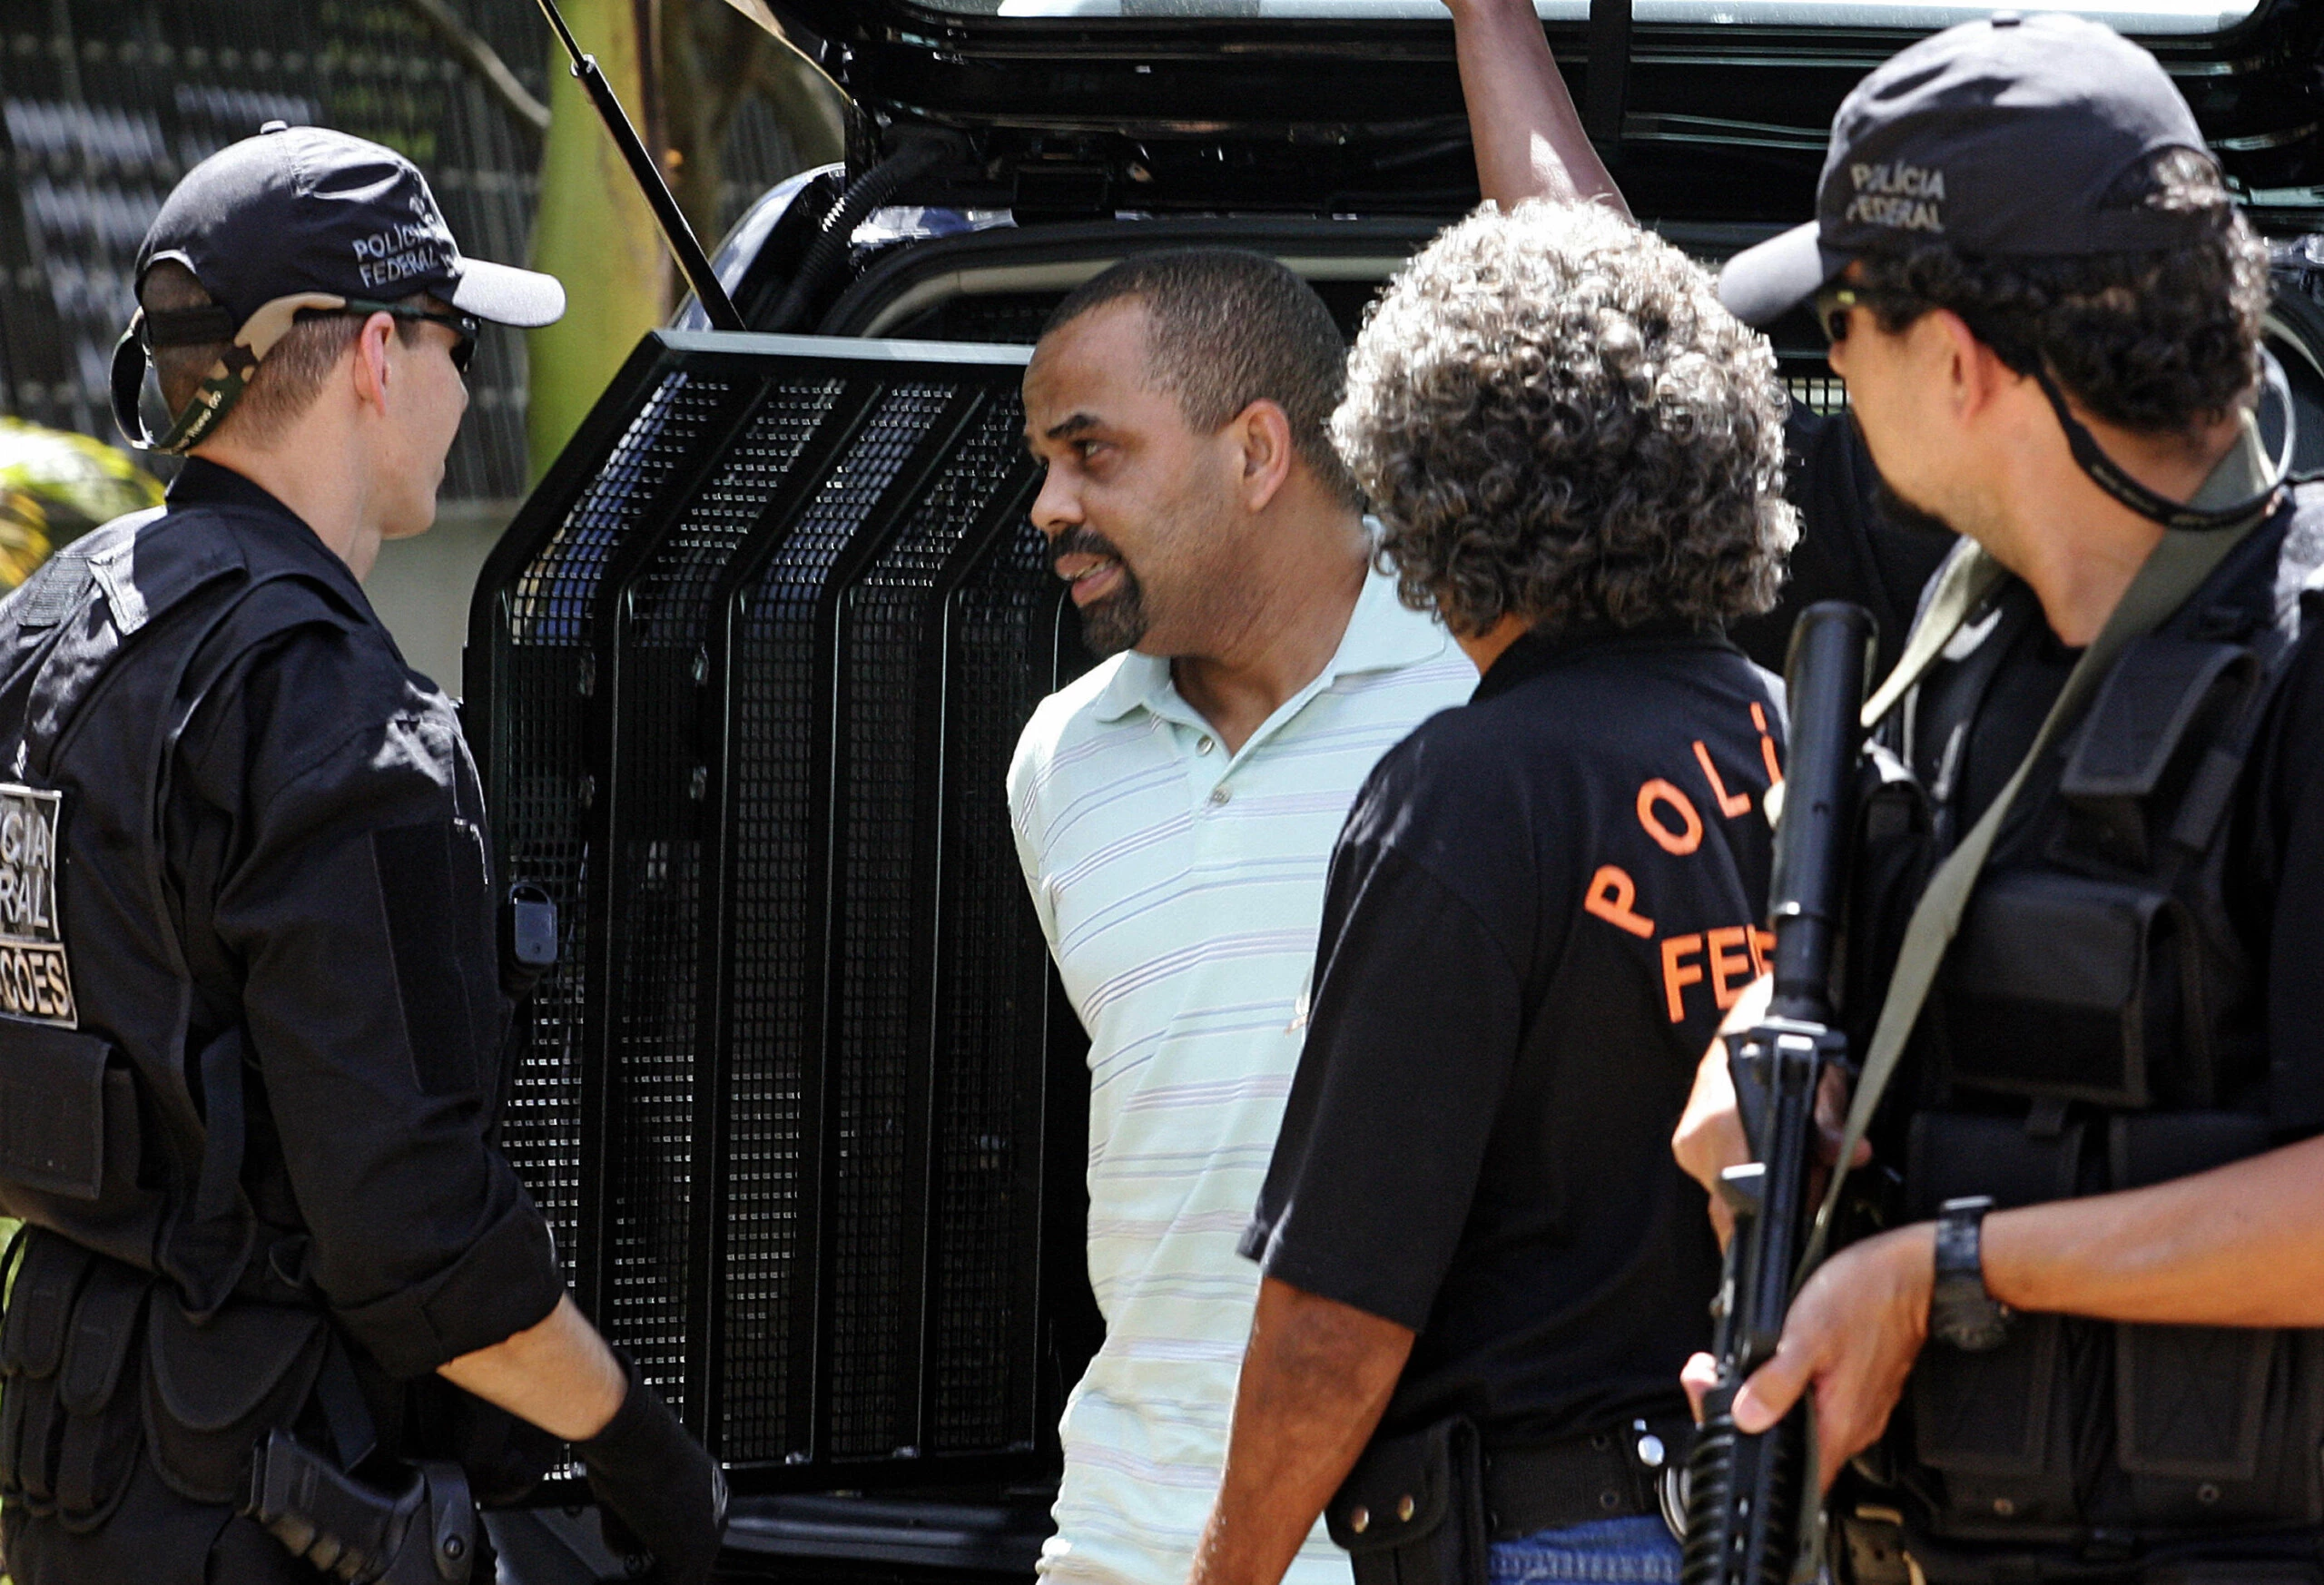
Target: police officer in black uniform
[
  {"x": 280, "y": 1305},
  {"x": 2091, "y": 918}
]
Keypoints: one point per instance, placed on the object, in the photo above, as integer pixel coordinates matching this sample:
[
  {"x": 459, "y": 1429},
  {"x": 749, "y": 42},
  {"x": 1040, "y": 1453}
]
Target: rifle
[{"x": 1747, "y": 1497}]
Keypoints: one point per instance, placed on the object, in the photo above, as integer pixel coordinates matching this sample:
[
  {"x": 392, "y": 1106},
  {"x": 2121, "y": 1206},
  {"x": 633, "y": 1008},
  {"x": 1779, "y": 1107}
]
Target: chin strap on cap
[
  {"x": 2109, "y": 475},
  {"x": 223, "y": 386}
]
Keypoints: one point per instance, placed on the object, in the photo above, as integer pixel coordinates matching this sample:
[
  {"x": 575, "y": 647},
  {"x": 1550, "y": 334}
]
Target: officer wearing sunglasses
[
  {"x": 282, "y": 1309},
  {"x": 2089, "y": 909}
]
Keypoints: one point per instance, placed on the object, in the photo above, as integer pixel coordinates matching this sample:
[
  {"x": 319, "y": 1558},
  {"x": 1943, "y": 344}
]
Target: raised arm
[{"x": 1528, "y": 135}]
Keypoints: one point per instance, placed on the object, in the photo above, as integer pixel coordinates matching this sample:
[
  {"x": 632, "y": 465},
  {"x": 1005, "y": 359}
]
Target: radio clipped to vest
[{"x": 527, "y": 938}]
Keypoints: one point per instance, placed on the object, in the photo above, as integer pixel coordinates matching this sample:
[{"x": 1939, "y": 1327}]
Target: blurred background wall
[{"x": 105, "y": 104}]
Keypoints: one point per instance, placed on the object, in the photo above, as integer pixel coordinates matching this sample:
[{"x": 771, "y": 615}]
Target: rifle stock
[{"x": 1747, "y": 1495}]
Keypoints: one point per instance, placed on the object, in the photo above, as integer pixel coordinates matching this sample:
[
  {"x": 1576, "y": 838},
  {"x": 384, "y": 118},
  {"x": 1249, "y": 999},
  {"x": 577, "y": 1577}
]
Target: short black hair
[
  {"x": 1225, "y": 328},
  {"x": 2160, "y": 343}
]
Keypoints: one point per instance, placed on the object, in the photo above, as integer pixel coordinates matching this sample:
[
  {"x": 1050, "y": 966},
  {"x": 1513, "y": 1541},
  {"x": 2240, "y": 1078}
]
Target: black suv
[{"x": 801, "y": 1099}]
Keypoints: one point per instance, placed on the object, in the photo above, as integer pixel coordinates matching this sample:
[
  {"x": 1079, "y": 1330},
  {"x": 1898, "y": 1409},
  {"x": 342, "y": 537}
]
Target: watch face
[
  {"x": 1976, "y": 1333},
  {"x": 1961, "y": 1312}
]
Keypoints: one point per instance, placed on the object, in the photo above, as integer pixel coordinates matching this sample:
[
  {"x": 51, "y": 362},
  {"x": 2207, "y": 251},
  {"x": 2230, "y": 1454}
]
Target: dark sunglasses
[
  {"x": 465, "y": 326},
  {"x": 1832, "y": 306}
]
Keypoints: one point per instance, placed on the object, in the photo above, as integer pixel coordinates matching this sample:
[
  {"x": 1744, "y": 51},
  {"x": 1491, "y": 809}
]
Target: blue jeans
[{"x": 1608, "y": 1549}]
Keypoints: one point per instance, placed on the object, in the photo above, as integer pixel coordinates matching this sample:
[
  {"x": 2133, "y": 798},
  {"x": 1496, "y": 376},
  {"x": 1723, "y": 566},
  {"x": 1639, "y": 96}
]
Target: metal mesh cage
[
  {"x": 545, "y": 680},
  {"x": 748, "y": 671}
]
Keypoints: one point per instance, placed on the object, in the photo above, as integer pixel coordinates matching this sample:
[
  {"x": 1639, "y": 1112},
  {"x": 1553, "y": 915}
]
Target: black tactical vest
[
  {"x": 155, "y": 1306},
  {"x": 2099, "y": 1024}
]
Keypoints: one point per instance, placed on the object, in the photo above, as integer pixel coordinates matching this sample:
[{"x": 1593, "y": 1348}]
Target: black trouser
[{"x": 155, "y": 1538}]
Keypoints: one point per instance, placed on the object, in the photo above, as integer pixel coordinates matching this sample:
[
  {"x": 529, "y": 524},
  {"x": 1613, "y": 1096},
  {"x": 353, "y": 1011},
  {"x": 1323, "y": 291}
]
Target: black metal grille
[
  {"x": 779, "y": 667},
  {"x": 993, "y": 984},
  {"x": 653, "y": 983},
  {"x": 546, "y": 789},
  {"x": 889, "y": 674},
  {"x": 795, "y": 1078}
]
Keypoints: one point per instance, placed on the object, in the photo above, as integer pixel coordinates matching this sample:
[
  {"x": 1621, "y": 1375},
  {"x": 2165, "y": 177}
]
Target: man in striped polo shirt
[{"x": 1175, "y": 811}]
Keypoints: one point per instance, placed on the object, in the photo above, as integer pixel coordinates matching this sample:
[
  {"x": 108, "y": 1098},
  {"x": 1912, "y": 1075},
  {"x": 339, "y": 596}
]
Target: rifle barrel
[{"x": 1831, "y": 649}]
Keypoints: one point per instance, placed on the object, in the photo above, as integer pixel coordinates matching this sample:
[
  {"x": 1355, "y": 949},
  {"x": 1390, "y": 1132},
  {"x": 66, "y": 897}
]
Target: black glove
[{"x": 656, "y": 1485}]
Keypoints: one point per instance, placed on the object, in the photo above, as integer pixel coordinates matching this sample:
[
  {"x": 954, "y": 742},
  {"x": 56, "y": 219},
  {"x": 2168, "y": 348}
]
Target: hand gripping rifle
[{"x": 1747, "y": 1497}]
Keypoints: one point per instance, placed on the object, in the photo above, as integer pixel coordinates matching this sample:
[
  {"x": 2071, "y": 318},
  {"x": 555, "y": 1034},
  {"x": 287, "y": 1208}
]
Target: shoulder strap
[
  {"x": 2175, "y": 569},
  {"x": 1968, "y": 576}
]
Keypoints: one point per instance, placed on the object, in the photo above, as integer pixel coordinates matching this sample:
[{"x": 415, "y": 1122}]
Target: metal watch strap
[{"x": 1962, "y": 1312}]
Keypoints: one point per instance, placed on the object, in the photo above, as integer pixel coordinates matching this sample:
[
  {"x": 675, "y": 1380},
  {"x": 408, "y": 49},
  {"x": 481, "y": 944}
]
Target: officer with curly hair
[{"x": 1479, "y": 1256}]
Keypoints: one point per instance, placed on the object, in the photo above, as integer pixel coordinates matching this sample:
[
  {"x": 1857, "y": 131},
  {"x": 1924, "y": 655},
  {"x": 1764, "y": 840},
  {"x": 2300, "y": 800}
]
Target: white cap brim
[
  {"x": 508, "y": 296},
  {"x": 1761, "y": 284}
]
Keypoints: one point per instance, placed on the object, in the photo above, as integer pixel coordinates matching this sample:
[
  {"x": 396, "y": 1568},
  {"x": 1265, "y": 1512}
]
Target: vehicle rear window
[{"x": 2132, "y": 16}]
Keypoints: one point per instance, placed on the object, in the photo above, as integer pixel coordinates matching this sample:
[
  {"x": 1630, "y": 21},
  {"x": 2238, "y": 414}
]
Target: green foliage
[
  {"x": 595, "y": 233},
  {"x": 54, "y": 487}
]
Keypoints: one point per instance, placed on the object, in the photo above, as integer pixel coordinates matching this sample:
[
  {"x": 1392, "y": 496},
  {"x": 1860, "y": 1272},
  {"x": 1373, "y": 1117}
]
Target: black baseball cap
[
  {"x": 2008, "y": 137},
  {"x": 301, "y": 220},
  {"x": 305, "y": 208}
]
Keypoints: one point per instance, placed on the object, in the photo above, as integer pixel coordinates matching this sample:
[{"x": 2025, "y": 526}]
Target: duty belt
[{"x": 1612, "y": 1474}]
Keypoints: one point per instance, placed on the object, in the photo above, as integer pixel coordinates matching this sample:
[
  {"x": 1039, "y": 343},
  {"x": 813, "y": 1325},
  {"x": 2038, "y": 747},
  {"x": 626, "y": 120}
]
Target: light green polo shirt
[{"x": 1181, "y": 891}]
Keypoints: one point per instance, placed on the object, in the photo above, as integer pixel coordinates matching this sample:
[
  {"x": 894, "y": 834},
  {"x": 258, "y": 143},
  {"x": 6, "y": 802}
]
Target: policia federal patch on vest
[{"x": 35, "y": 980}]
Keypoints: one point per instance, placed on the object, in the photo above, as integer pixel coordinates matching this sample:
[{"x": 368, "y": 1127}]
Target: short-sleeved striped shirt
[{"x": 1181, "y": 891}]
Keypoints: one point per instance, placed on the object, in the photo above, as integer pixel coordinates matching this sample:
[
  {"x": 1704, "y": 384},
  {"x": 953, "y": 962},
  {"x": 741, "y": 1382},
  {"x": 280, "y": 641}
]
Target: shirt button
[
  {"x": 1205, "y": 746},
  {"x": 1220, "y": 795}
]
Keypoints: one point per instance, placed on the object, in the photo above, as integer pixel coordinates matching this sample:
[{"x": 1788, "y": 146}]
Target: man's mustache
[{"x": 1082, "y": 542}]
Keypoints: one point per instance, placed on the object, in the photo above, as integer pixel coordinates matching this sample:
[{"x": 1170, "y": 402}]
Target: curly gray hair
[{"x": 1553, "y": 415}]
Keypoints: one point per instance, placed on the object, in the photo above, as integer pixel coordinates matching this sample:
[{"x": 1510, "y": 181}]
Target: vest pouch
[
  {"x": 2214, "y": 1425},
  {"x": 72, "y": 1143},
  {"x": 1996, "y": 1429},
  {"x": 69, "y": 1431},
  {"x": 214, "y": 1389},
  {"x": 2060, "y": 988},
  {"x": 52, "y": 1109},
  {"x": 49, "y": 1277}
]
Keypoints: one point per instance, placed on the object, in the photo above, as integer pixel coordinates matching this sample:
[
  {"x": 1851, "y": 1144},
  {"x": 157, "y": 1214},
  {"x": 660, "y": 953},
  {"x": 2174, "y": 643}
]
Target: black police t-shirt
[{"x": 1541, "y": 908}]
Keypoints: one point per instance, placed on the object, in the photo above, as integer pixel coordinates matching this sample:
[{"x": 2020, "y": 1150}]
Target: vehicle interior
[{"x": 802, "y": 1100}]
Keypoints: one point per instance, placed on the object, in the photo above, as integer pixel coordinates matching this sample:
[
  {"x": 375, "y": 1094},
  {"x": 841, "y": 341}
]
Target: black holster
[
  {"x": 1413, "y": 1511},
  {"x": 424, "y": 1534}
]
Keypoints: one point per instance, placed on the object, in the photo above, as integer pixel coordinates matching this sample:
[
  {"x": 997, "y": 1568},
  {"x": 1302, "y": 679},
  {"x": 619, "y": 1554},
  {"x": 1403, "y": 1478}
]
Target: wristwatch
[{"x": 1960, "y": 1311}]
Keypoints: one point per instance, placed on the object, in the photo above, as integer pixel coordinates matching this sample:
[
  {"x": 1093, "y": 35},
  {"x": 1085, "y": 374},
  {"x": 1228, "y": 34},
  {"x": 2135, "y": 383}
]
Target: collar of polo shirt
[{"x": 1376, "y": 640}]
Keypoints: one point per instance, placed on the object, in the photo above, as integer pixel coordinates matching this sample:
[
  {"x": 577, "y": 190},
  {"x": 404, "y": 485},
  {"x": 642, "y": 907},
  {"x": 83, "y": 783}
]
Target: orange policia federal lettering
[
  {"x": 1610, "y": 894},
  {"x": 1720, "y": 960}
]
